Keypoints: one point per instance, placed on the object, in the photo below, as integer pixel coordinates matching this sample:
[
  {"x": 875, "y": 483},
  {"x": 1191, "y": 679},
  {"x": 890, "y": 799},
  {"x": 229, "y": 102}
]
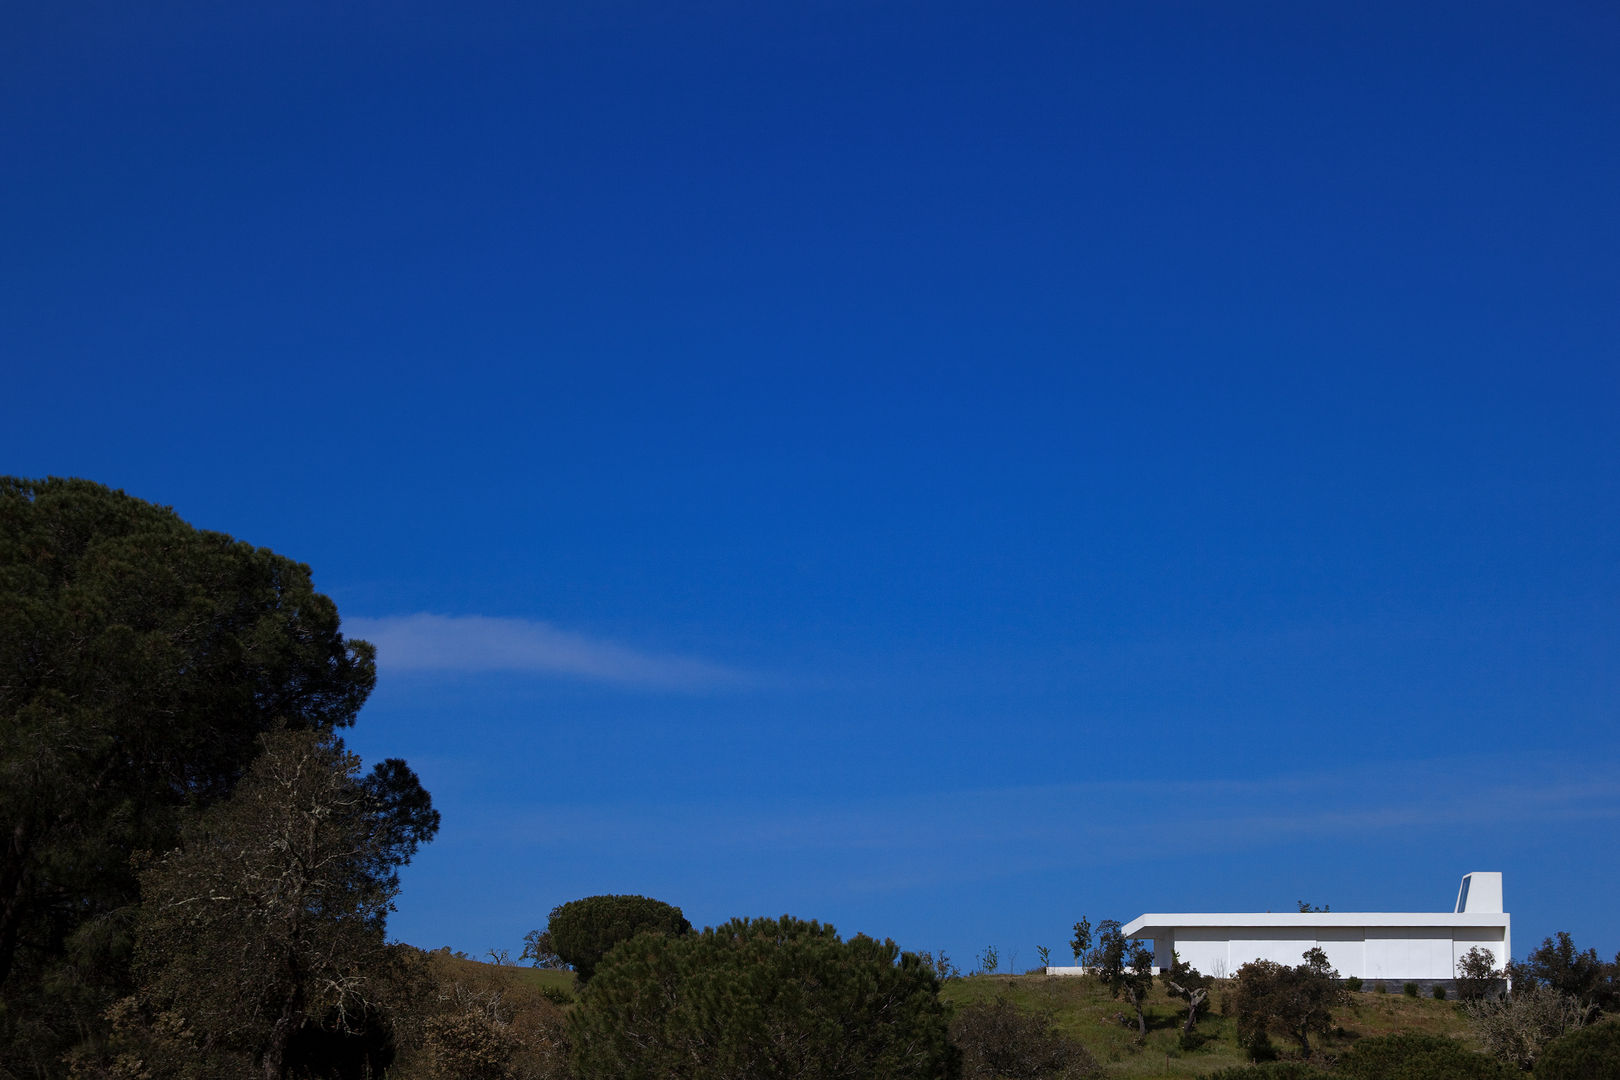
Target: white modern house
[{"x": 1390, "y": 946}]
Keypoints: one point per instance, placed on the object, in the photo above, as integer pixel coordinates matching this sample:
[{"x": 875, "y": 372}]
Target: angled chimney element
[{"x": 1481, "y": 891}]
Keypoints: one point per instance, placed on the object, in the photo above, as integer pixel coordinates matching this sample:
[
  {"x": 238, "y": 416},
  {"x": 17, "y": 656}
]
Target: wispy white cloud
[
  {"x": 474, "y": 643},
  {"x": 879, "y": 843}
]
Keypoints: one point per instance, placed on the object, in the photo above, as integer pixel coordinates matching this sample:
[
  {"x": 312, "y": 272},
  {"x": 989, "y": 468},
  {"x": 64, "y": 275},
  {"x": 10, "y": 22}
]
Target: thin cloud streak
[
  {"x": 481, "y": 643},
  {"x": 882, "y": 843}
]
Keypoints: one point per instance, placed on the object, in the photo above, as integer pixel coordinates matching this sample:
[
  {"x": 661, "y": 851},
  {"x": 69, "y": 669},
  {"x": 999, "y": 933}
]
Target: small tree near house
[
  {"x": 1081, "y": 943},
  {"x": 1182, "y": 980},
  {"x": 1126, "y": 967},
  {"x": 1291, "y": 1001}
]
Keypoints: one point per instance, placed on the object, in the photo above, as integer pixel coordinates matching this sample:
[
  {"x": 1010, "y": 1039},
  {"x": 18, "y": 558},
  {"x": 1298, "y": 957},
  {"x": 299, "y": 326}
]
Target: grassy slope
[{"x": 1082, "y": 1009}]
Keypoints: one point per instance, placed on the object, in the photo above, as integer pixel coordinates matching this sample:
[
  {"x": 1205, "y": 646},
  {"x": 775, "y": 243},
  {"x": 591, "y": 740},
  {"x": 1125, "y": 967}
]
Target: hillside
[{"x": 1080, "y": 1008}]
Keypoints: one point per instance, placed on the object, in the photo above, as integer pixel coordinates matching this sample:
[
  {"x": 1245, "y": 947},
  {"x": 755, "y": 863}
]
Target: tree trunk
[
  {"x": 13, "y": 872},
  {"x": 1194, "y": 1000},
  {"x": 275, "y": 1052}
]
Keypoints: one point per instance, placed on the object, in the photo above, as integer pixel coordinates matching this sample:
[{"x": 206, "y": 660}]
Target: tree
[
  {"x": 140, "y": 659},
  {"x": 1477, "y": 974},
  {"x": 1183, "y": 981},
  {"x": 1557, "y": 964},
  {"x": 1591, "y": 1053},
  {"x": 583, "y": 931},
  {"x": 1292, "y": 1001},
  {"x": 1517, "y": 1027},
  {"x": 761, "y": 999},
  {"x": 1081, "y": 942},
  {"x": 999, "y": 1041},
  {"x": 539, "y": 950},
  {"x": 1126, "y": 967},
  {"x": 267, "y": 922}
]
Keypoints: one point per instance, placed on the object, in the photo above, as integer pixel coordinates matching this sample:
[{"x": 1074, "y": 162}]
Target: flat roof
[{"x": 1144, "y": 925}]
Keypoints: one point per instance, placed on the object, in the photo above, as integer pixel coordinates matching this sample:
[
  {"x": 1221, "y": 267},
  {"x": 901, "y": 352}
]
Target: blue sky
[{"x": 942, "y": 469}]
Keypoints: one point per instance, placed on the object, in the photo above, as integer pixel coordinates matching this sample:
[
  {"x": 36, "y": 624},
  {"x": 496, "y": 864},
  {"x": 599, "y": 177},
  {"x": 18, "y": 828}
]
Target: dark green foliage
[
  {"x": 1592, "y": 1053},
  {"x": 140, "y": 659},
  {"x": 1410, "y": 1056},
  {"x": 266, "y": 925},
  {"x": 1126, "y": 967},
  {"x": 1438, "y": 992},
  {"x": 1273, "y": 1070},
  {"x": 1477, "y": 974},
  {"x": 1354, "y": 984},
  {"x": 1410, "y": 989},
  {"x": 1081, "y": 942},
  {"x": 1292, "y": 1001},
  {"x": 1557, "y": 964},
  {"x": 582, "y": 931},
  {"x": 999, "y": 1041},
  {"x": 766, "y": 999}
]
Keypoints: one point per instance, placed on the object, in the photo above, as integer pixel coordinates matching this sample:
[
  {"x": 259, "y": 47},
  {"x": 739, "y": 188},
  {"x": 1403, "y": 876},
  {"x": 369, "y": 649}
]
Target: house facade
[{"x": 1374, "y": 946}]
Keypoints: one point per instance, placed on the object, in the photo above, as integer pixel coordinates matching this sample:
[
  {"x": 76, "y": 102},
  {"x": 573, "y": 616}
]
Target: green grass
[{"x": 1082, "y": 1009}]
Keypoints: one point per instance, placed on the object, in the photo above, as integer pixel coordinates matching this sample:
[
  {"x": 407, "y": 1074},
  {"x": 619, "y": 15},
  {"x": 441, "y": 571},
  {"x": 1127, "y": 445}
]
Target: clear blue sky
[{"x": 942, "y": 469}]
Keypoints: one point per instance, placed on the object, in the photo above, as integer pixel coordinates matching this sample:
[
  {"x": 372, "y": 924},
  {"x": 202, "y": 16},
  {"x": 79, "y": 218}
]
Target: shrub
[
  {"x": 1589, "y": 1054},
  {"x": 999, "y": 1041},
  {"x": 466, "y": 1047},
  {"x": 1438, "y": 992},
  {"x": 1477, "y": 974},
  {"x": 1381, "y": 988},
  {"x": 1411, "y": 1056},
  {"x": 1275, "y": 1070},
  {"x": 759, "y": 1000},
  {"x": 1292, "y": 1001},
  {"x": 1517, "y": 1027},
  {"x": 582, "y": 931},
  {"x": 1409, "y": 989},
  {"x": 1354, "y": 984}
]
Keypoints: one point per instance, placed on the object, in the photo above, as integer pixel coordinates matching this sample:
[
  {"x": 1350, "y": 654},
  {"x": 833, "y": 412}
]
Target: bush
[
  {"x": 1276, "y": 1070},
  {"x": 1477, "y": 974},
  {"x": 1438, "y": 992},
  {"x": 1291, "y": 1001},
  {"x": 1409, "y": 989},
  {"x": 583, "y": 931},
  {"x": 999, "y": 1041},
  {"x": 471, "y": 1023},
  {"x": 760, "y": 999},
  {"x": 1589, "y": 1054},
  {"x": 1354, "y": 984},
  {"x": 1410, "y": 1056},
  {"x": 1516, "y": 1028},
  {"x": 1380, "y": 988}
]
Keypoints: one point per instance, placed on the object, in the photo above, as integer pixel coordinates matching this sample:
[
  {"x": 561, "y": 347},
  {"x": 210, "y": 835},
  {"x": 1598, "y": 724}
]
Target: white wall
[{"x": 1370, "y": 952}]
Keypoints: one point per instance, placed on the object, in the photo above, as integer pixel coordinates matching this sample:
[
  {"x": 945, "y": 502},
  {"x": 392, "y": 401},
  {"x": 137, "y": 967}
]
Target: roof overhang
[{"x": 1153, "y": 925}]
